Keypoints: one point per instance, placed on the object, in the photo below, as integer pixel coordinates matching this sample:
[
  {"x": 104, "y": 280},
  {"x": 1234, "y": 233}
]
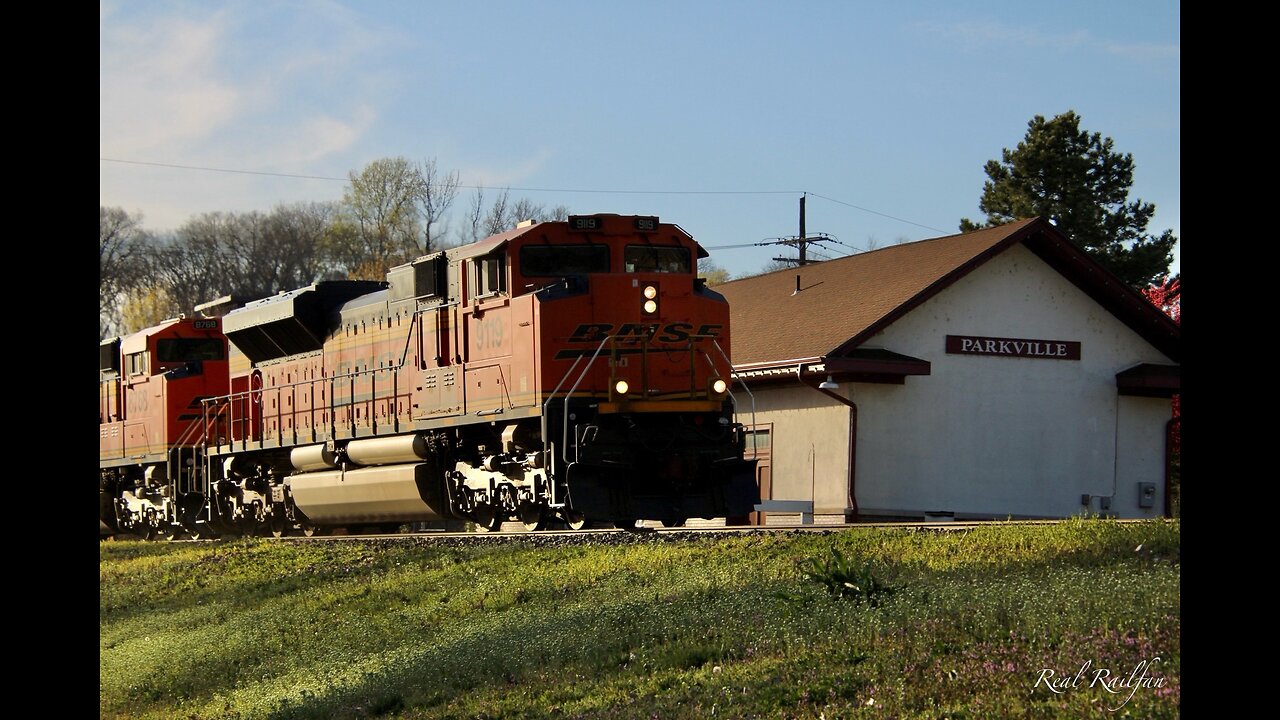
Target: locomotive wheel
[
  {"x": 674, "y": 523},
  {"x": 150, "y": 525},
  {"x": 533, "y": 517},
  {"x": 309, "y": 530},
  {"x": 171, "y": 532},
  {"x": 574, "y": 519},
  {"x": 486, "y": 519},
  {"x": 279, "y": 525}
]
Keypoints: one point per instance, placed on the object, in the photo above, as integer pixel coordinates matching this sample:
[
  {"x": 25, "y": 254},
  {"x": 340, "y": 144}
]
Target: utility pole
[{"x": 801, "y": 241}]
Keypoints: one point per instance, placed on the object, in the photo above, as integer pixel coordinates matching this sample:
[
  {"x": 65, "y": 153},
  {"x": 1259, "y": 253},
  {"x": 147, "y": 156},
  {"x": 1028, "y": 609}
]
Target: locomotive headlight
[
  {"x": 717, "y": 387},
  {"x": 618, "y": 391},
  {"x": 650, "y": 299}
]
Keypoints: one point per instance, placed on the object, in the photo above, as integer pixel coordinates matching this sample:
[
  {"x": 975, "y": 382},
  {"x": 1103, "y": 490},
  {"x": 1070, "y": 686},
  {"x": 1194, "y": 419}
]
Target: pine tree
[{"x": 1078, "y": 181}]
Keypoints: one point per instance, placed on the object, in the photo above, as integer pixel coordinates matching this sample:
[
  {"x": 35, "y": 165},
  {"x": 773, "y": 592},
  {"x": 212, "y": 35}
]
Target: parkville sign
[{"x": 1013, "y": 347}]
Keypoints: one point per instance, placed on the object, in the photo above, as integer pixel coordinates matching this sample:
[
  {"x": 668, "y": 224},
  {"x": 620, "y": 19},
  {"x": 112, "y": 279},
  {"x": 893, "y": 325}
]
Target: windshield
[
  {"x": 657, "y": 258},
  {"x": 188, "y": 349},
  {"x": 556, "y": 260}
]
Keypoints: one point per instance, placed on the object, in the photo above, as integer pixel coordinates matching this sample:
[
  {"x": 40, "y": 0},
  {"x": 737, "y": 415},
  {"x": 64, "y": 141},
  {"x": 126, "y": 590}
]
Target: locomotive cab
[
  {"x": 151, "y": 384},
  {"x": 639, "y": 423}
]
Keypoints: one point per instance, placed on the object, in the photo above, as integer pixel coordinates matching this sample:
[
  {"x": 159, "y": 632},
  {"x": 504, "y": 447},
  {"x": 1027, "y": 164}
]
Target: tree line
[{"x": 392, "y": 211}]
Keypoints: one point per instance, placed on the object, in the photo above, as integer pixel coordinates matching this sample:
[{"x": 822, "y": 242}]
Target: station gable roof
[{"x": 838, "y": 304}]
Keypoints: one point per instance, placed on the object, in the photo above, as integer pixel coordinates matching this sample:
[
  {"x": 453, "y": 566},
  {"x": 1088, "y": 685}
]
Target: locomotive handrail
[
  {"x": 546, "y": 408},
  {"x": 220, "y": 404},
  {"x": 227, "y": 403},
  {"x": 187, "y": 434},
  {"x": 750, "y": 394},
  {"x": 187, "y": 438},
  {"x": 333, "y": 406},
  {"x": 565, "y": 436},
  {"x": 243, "y": 395}
]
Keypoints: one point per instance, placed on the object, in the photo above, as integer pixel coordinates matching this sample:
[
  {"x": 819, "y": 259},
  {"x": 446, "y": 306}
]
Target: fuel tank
[{"x": 392, "y": 493}]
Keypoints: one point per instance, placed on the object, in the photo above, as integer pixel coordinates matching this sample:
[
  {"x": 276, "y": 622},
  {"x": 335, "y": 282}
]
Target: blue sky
[{"x": 713, "y": 115}]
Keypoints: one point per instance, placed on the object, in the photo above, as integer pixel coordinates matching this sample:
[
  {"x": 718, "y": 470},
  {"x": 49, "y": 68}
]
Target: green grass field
[{"x": 1006, "y": 621}]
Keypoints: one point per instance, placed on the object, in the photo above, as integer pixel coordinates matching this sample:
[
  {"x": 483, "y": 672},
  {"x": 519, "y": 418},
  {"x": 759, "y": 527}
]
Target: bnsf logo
[
  {"x": 671, "y": 333},
  {"x": 594, "y": 333}
]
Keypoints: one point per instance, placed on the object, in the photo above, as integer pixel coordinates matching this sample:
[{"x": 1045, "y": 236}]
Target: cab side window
[
  {"x": 490, "y": 275},
  {"x": 137, "y": 363}
]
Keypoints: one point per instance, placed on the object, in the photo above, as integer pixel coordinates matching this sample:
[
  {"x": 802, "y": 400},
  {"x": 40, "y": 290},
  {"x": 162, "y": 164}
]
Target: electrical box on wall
[{"x": 1146, "y": 494}]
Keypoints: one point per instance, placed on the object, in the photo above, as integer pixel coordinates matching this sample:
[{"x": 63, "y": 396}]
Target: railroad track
[
  {"x": 514, "y": 532},
  {"x": 612, "y": 535}
]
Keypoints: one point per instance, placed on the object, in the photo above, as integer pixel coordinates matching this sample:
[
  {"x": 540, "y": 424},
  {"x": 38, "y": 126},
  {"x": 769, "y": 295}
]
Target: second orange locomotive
[{"x": 559, "y": 371}]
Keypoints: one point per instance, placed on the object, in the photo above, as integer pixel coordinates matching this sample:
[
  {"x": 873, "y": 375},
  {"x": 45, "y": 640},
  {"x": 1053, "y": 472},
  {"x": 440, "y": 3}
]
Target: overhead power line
[
  {"x": 873, "y": 212},
  {"x": 201, "y": 168},
  {"x": 222, "y": 170},
  {"x": 469, "y": 187}
]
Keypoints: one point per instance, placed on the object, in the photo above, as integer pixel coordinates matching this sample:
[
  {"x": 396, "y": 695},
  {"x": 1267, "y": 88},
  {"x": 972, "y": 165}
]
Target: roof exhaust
[{"x": 797, "y": 292}]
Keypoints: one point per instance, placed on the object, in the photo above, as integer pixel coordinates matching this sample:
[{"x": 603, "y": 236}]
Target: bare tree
[
  {"x": 394, "y": 210},
  {"x": 122, "y": 263},
  {"x": 470, "y": 231},
  {"x": 144, "y": 307},
  {"x": 382, "y": 203},
  {"x": 192, "y": 265},
  {"x": 498, "y": 218},
  {"x": 283, "y": 249},
  {"x": 526, "y": 209},
  {"x": 438, "y": 192},
  {"x": 714, "y": 274},
  {"x": 250, "y": 254},
  {"x": 299, "y": 238},
  {"x": 504, "y": 215}
]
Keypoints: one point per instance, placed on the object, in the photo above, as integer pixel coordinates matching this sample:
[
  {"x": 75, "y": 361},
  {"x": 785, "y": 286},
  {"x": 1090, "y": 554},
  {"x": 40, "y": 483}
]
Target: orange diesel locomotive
[{"x": 553, "y": 373}]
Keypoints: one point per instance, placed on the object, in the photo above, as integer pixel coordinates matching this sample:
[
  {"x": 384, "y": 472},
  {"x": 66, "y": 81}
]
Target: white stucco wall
[
  {"x": 1002, "y": 436},
  {"x": 810, "y": 444},
  {"x": 1142, "y": 454}
]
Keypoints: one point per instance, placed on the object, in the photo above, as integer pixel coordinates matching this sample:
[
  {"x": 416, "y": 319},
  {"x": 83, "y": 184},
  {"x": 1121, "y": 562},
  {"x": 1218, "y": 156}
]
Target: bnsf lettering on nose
[{"x": 670, "y": 333}]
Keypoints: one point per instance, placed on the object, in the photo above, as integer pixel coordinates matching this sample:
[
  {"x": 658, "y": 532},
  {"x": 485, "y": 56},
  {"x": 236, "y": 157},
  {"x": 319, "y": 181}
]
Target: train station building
[{"x": 993, "y": 374}]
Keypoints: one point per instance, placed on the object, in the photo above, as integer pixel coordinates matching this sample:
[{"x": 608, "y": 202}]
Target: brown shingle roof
[{"x": 842, "y": 299}]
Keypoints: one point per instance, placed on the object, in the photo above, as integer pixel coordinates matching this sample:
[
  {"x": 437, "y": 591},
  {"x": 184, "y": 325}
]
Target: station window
[
  {"x": 657, "y": 258},
  {"x": 759, "y": 440}
]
